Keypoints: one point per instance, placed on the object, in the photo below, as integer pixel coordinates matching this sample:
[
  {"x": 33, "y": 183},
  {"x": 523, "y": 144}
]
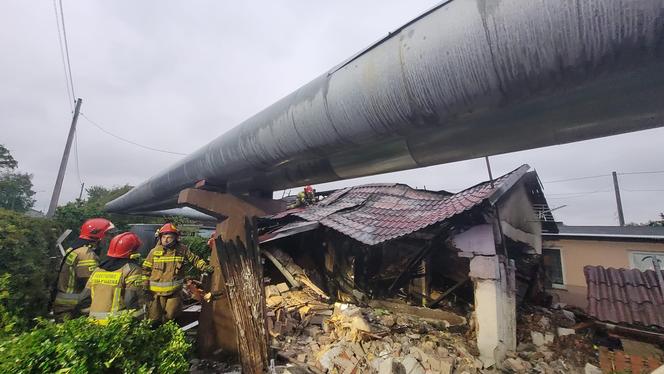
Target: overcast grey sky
[{"x": 175, "y": 74}]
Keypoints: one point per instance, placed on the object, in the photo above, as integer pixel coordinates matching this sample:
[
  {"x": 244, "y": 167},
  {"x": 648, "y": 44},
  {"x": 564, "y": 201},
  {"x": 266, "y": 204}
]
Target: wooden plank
[
  {"x": 444, "y": 295},
  {"x": 311, "y": 285},
  {"x": 289, "y": 277},
  {"x": 583, "y": 325},
  {"x": 433, "y": 314}
]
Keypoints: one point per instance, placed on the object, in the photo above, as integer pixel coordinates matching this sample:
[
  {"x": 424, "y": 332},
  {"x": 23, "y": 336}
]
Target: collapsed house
[{"x": 369, "y": 244}]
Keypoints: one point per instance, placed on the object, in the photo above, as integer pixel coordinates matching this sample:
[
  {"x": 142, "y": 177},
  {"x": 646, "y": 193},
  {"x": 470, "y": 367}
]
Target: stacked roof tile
[{"x": 626, "y": 296}]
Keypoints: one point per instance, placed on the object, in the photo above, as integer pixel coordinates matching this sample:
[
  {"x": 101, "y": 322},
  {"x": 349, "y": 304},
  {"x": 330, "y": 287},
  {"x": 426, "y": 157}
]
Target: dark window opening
[{"x": 553, "y": 266}]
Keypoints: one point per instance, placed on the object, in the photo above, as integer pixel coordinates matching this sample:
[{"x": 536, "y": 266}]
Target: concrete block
[
  {"x": 549, "y": 337},
  {"x": 592, "y": 369},
  {"x": 390, "y": 366},
  {"x": 477, "y": 240},
  {"x": 538, "y": 338},
  {"x": 411, "y": 365},
  {"x": 564, "y": 332},
  {"x": 516, "y": 365},
  {"x": 484, "y": 267}
]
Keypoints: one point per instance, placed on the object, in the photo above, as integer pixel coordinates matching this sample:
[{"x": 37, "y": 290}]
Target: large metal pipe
[{"x": 468, "y": 78}]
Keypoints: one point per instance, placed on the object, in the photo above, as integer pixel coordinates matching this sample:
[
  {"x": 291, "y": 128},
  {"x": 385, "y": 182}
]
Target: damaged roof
[
  {"x": 626, "y": 296},
  {"x": 376, "y": 213}
]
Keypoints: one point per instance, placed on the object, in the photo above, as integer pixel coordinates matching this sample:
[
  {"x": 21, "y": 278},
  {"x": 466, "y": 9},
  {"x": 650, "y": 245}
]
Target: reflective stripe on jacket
[
  {"x": 67, "y": 299},
  {"x": 165, "y": 268},
  {"x": 77, "y": 267},
  {"x": 109, "y": 289}
]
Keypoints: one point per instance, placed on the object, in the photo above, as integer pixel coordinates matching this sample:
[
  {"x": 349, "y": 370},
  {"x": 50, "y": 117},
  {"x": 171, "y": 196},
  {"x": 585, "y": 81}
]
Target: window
[
  {"x": 553, "y": 266},
  {"x": 643, "y": 260}
]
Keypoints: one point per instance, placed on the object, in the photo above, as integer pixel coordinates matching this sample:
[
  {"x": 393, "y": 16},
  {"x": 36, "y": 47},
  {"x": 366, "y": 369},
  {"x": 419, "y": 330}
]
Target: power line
[
  {"x": 62, "y": 56},
  {"x": 64, "y": 33},
  {"x": 605, "y": 175},
  {"x": 577, "y": 193},
  {"x": 127, "y": 140},
  {"x": 577, "y": 178},
  {"x": 642, "y": 172}
]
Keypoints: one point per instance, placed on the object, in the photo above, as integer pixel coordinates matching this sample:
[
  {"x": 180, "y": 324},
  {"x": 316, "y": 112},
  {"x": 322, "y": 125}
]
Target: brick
[
  {"x": 605, "y": 360},
  {"x": 619, "y": 359},
  {"x": 637, "y": 364},
  {"x": 653, "y": 363}
]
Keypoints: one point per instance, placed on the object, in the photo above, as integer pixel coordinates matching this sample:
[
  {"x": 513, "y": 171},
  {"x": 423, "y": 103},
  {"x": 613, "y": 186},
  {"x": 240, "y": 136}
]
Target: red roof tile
[
  {"x": 624, "y": 296},
  {"x": 376, "y": 213}
]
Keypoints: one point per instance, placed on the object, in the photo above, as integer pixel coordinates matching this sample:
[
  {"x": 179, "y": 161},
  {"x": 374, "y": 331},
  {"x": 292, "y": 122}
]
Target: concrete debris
[
  {"x": 562, "y": 331},
  {"x": 549, "y": 347},
  {"x": 592, "y": 369},
  {"x": 345, "y": 338},
  {"x": 538, "y": 338},
  {"x": 564, "y": 318}
]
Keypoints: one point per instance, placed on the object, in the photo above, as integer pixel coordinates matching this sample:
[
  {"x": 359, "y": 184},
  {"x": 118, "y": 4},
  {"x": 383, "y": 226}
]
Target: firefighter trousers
[{"x": 165, "y": 308}]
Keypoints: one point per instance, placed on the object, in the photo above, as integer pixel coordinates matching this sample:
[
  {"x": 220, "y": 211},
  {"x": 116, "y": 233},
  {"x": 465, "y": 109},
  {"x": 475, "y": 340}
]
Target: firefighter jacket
[
  {"x": 165, "y": 268},
  {"x": 116, "y": 291},
  {"x": 77, "y": 267}
]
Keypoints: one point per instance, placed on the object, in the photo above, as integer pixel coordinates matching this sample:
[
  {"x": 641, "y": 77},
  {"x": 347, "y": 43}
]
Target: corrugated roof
[
  {"x": 644, "y": 232},
  {"x": 624, "y": 296},
  {"x": 376, "y": 213}
]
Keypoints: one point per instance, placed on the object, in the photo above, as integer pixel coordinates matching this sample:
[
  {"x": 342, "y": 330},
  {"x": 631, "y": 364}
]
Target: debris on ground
[{"x": 383, "y": 338}]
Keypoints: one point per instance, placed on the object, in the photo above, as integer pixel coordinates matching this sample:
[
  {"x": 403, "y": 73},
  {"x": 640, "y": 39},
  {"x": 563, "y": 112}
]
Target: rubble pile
[
  {"x": 548, "y": 343},
  {"x": 344, "y": 338}
]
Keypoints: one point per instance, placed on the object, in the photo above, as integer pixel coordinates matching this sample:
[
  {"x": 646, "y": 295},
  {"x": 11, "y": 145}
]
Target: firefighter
[
  {"x": 79, "y": 261},
  {"x": 305, "y": 198},
  {"x": 164, "y": 266},
  {"x": 118, "y": 283}
]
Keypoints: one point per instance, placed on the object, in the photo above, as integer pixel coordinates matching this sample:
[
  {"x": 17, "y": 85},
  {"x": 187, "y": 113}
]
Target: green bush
[
  {"x": 125, "y": 345},
  {"x": 26, "y": 269},
  {"x": 198, "y": 245}
]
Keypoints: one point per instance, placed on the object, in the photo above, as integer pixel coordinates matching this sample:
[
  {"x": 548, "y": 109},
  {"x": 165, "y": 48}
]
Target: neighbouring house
[
  {"x": 568, "y": 251},
  {"x": 379, "y": 241}
]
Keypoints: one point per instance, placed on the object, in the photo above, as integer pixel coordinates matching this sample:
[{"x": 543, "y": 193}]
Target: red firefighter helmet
[
  {"x": 123, "y": 245},
  {"x": 95, "y": 228},
  {"x": 168, "y": 228},
  {"x": 308, "y": 189}
]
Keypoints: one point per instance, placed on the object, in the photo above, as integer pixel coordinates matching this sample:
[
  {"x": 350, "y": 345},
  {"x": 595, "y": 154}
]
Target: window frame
[
  {"x": 558, "y": 286},
  {"x": 632, "y": 252}
]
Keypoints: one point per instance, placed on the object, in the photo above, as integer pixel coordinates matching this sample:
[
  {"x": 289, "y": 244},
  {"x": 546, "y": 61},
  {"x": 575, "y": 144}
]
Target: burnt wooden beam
[
  {"x": 289, "y": 277},
  {"x": 446, "y": 293},
  {"x": 242, "y": 269}
]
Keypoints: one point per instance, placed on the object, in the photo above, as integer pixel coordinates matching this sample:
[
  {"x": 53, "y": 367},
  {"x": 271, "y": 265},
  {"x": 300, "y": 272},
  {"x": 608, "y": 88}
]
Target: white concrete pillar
[{"x": 495, "y": 307}]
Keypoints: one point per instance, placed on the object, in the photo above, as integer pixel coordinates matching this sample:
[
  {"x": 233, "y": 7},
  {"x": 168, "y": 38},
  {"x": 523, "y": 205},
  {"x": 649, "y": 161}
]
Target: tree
[
  {"x": 659, "y": 222},
  {"x": 15, "y": 188},
  {"x": 6, "y": 159}
]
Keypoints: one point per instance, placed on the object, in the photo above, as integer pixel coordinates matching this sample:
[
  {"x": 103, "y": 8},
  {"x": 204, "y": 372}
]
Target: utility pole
[
  {"x": 80, "y": 194},
  {"x": 63, "y": 163},
  {"x": 621, "y": 217}
]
